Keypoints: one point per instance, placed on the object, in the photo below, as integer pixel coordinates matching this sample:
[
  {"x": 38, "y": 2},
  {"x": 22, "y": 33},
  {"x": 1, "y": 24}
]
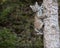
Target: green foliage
[
  {"x": 7, "y": 39},
  {"x": 16, "y": 21},
  {"x": 6, "y": 11}
]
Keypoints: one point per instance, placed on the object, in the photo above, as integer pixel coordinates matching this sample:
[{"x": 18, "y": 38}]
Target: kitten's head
[{"x": 36, "y": 7}]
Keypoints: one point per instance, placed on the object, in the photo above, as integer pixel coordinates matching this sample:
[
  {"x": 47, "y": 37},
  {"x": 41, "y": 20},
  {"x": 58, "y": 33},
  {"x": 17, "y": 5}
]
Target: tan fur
[{"x": 38, "y": 23}]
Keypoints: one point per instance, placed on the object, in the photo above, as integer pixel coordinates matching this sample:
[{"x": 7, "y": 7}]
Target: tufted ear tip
[{"x": 36, "y": 3}]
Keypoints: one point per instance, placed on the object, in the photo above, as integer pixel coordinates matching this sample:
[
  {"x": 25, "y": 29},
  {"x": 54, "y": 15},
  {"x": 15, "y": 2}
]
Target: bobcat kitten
[{"x": 38, "y": 23}]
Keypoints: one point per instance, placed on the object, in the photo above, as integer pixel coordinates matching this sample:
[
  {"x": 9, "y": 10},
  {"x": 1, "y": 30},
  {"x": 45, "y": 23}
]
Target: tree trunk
[{"x": 51, "y": 27}]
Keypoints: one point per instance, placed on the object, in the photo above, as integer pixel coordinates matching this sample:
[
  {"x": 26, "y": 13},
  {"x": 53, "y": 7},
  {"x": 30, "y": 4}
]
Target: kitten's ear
[
  {"x": 31, "y": 6},
  {"x": 36, "y": 3}
]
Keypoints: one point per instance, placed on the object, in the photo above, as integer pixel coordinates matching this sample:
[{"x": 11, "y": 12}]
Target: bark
[{"x": 51, "y": 27}]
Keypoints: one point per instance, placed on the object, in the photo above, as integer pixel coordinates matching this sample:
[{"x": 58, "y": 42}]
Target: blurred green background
[{"x": 16, "y": 25}]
